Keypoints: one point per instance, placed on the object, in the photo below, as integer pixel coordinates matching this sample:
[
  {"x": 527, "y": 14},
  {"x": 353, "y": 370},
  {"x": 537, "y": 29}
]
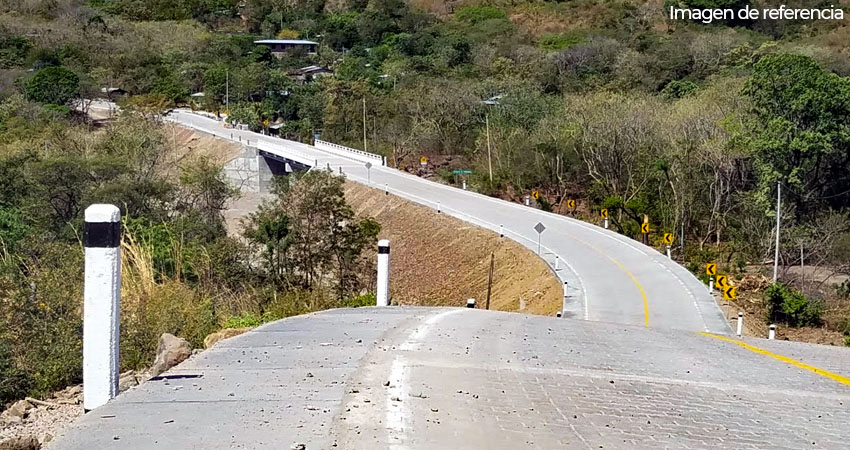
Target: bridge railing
[
  {"x": 287, "y": 152},
  {"x": 349, "y": 152}
]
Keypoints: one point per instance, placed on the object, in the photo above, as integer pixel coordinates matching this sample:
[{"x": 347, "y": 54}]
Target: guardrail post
[
  {"x": 772, "y": 333},
  {"x": 740, "y": 323},
  {"x": 101, "y": 304},
  {"x": 383, "y": 294}
]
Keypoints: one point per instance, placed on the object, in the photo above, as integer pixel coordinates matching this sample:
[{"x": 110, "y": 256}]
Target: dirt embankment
[{"x": 439, "y": 260}]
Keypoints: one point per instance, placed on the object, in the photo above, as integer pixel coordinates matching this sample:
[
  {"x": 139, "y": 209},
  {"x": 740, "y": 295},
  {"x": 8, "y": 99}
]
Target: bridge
[{"x": 643, "y": 358}]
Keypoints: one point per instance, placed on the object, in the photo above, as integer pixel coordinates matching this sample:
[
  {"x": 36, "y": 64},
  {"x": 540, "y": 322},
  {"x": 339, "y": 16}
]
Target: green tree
[
  {"x": 55, "y": 84},
  {"x": 801, "y": 129}
]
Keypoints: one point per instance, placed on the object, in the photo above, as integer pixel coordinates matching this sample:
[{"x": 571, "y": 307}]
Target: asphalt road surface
[
  {"x": 609, "y": 277},
  {"x": 452, "y": 378}
]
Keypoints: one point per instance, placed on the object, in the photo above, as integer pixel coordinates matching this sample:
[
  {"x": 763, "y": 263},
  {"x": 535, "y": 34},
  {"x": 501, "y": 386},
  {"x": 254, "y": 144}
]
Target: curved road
[
  {"x": 454, "y": 378},
  {"x": 609, "y": 277}
]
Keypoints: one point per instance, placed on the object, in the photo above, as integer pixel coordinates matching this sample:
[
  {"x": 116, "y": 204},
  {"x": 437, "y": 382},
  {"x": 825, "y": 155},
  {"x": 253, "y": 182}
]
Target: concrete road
[
  {"x": 435, "y": 378},
  {"x": 608, "y": 277}
]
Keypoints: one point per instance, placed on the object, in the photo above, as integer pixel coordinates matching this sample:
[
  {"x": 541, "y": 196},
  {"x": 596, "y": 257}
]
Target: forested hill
[{"x": 605, "y": 101}]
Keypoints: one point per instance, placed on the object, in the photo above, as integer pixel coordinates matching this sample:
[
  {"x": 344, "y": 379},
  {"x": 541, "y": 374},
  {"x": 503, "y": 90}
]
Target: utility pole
[
  {"x": 489, "y": 157},
  {"x": 778, "y": 216},
  {"x": 490, "y": 280},
  {"x": 364, "y": 124}
]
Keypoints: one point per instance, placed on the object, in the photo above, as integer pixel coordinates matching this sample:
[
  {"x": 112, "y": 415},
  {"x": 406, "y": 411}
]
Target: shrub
[
  {"x": 368, "y": 299},
  {"x": 562, "y": 41},
  {"x": 14, "y": 382},
  {"x": 679, "y": 89},
  {"x": 56, "y": 85},
  {"x": 246, "y": 320},
  {"x": 477, "y": 14},
  {"x": 791, "y": 306}
]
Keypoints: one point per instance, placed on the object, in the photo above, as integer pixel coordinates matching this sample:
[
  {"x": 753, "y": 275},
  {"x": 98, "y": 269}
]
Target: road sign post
[
  {"x": 539, "y": 228},
  {"x": 368, "y": 172},
  {"x": 668, "y": 239},
  {"x": 740, "y": 323}
]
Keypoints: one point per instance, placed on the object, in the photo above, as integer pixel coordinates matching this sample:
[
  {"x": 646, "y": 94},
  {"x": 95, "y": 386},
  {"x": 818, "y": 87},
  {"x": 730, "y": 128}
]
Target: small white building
[{"x": 280, "y": 47}]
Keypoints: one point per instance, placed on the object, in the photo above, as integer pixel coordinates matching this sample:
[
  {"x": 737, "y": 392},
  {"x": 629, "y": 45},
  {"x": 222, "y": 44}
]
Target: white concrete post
[
  {"x": 558, "y": 314},
  {"x": 386, "y": 189},
  {"x": 383, "y": 273},
  {"x": 501, "y": 231},
  {"x": 557, "y": 260},
  {"x": 605, "y": 223},
  {"x": 772, "y": 333},
  {"x": 101, "y": 304},
  {"x": 740, "y": 323},
  {"x": 438, "y": 207},
  {"x": 668, "y": 253},
  {"x": 470, "y": 303},
  {"x": 527, "y": 201},
  {"x": 464, "y": 185},
  {"x": 710, "y": 285}
]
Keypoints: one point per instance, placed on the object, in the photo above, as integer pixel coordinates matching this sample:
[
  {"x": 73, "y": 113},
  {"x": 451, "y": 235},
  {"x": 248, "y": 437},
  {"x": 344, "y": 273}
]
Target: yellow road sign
[
  {"x": 668, "y": 238},
  {"x": 722, "y": 281},
  {"x": 535, "y": 194},
  {"x": 423, "y": 160},
  {"x": 571, "y": 204},
  {"x": 604, "y": 213},
  {"x": 730, "y": 292},
  {"x": 711, "y": 269},
  {"x": 644, "y": 228}
]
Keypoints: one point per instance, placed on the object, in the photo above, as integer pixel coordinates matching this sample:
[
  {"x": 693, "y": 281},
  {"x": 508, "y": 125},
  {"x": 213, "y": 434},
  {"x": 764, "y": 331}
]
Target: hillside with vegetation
[{"x": 607, "y": 102}]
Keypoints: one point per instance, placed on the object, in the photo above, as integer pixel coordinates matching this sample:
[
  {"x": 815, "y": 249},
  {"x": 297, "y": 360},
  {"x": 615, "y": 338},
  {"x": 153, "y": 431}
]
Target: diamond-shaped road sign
[
  {"x": 368, "y": 165},
  {"x": 539, "y": 228}
]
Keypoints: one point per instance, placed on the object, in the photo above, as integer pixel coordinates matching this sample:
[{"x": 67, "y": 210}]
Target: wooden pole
[{"x": 490, "y": 281}]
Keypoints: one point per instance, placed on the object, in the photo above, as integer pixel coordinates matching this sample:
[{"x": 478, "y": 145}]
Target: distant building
[
  {"x": 280, "y": 47},
  {"x": 310, "y": 73}
]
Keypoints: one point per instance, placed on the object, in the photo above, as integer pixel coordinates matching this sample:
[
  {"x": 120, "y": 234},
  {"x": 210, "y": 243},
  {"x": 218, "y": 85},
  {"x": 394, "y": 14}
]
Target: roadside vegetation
[
  {"x": 181, "y": 273},
  {"x": 605, "y": 102}
]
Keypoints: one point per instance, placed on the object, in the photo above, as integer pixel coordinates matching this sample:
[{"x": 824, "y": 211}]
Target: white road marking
[{"x": 397, "y": 412}]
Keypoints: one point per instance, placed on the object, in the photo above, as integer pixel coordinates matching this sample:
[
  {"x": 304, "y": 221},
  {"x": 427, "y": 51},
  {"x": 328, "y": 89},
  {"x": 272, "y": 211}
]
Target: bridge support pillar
[
  {"x": 101, "y": 304},
  {"x": 383, "y": 294}
]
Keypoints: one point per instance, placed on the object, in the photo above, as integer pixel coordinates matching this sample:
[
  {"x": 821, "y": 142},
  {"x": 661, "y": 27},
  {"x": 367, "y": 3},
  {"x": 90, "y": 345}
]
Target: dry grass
[{"x": 440, "y": 260}]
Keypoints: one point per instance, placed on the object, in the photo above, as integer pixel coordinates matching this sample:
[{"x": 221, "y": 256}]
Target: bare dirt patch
[{"x": 437, "y": 260}]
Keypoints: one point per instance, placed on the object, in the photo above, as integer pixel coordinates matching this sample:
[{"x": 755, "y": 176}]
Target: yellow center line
[
  {"x": 634, "y": 280},
  {"x": 785, "y": 359}
]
